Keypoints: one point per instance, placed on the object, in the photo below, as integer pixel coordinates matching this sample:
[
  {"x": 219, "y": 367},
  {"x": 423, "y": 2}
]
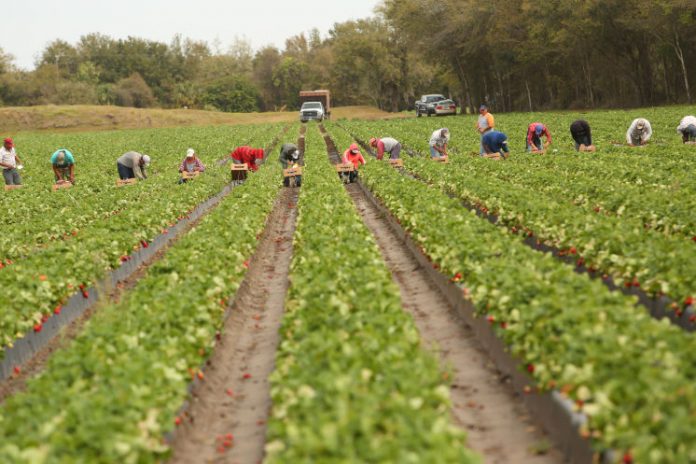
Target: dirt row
[{"x": 484, "y": 404}]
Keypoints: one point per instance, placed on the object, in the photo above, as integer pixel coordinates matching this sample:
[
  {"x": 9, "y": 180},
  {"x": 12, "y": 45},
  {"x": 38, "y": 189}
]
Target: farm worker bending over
[
  {"x": 132, "y": 165},
  {"x": 581, "y": 133},
  {"x": 386, "y": 145},
  {"x": 639, "y": 133},
  {"x": 485, "y": 123},
  {"x": 438, "y": 143},
  {"x": 687, "y": 129},
  {"x": 496, "y": 143},
  {"x": 353, "y": 155},
  {"x": 252, "y": 157},
  {"x": 290, "y": 157},
  {"x": 63, "y": 163},
  {"x": 10, "y": 163},
  {"x": 191, "y": 164},
  {"x": 535, "y": 131}
]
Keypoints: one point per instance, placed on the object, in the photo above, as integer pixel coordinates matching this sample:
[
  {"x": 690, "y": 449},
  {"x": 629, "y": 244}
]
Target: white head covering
[
  {"x": 190, "y": 153},
  {"x": 146, "y": 159}
]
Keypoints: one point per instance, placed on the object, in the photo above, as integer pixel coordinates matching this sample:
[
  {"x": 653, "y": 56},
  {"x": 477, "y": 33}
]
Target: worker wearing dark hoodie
[
  {"x": 352, "y": 155},
  {"x": 290, "y": 157}
]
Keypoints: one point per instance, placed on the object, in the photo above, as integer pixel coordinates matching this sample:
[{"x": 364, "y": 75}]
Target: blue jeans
[
  {"x": 124, "y": 172},
  {"x": 11, "y": 176},
  {"x": 536, "y": 141},
  {"x": 584, "y": 140},
  {"x": 434, "y": 153},
  {"x": 689, "y": 133}
]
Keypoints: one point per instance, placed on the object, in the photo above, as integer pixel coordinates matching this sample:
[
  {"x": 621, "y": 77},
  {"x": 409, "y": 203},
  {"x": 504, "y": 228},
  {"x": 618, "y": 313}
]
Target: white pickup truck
[{"x": 312, "y": 110}]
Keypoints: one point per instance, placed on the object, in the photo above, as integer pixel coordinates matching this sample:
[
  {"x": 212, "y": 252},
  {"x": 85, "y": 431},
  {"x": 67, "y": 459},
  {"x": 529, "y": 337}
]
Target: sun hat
[
  {"x": 146, "y": 159},
  {"x": 190, "y": 153}
]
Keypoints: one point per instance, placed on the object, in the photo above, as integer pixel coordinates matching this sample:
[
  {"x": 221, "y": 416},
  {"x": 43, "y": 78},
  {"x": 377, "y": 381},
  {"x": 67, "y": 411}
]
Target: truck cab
[
  {"x": 312, "y": 110},
  {"x": 316, "y": 104}
]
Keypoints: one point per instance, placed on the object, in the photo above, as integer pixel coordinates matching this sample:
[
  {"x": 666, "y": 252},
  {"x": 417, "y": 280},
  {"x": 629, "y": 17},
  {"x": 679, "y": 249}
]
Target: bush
[
  {"x": 232, "y": 94},
  {"x": 133, "y": 91}
]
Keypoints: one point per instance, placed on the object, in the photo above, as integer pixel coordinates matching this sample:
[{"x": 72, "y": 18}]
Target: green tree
[{"x": 232, "y": 94}]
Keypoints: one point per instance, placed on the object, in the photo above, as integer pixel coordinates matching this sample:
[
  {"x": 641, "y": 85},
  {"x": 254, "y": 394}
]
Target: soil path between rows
[
  {"x": 483, "y": 403},
  {"x": 496, "y": 422},
  {"x": 234, "y": 398}
]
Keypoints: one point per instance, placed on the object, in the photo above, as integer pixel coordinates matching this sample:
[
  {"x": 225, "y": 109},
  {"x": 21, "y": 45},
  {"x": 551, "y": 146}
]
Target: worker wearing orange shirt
[
  {"x": 485, "y": 124},
  {"x": 252, "y": 157},
  {"x": 353, "y": 155}
]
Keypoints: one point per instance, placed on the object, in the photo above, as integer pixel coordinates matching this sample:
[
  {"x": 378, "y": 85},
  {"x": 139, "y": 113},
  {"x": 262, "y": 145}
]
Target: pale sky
[{"x": 29, "y": 25}]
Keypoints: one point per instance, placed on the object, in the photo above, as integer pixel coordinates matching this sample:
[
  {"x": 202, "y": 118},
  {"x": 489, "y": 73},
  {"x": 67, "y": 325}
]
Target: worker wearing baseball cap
[
  {"x": 191, "y": 163},
  {"x": 290, "y": 156},
  {"x": 131, "y": 165},
  {"x": 386, "y": 145},
  {"x": 535, "y": 131},
  {"x": 485, "y": 123},
  {"x": 639, "y": 132},
  {"x": 352, "y": 155},
  {"x": 63, "y": 163},
  {"x": 10, "y": 162}
]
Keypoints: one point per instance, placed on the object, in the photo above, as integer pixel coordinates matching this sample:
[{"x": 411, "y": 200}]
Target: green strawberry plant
[{"x": 352, "y": 383}]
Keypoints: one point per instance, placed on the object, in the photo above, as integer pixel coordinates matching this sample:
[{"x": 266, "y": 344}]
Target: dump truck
[{"x": 316, "y": 104}]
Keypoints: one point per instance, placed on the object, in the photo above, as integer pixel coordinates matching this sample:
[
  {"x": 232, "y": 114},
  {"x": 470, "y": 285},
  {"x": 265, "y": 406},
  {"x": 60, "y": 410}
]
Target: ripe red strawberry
[
  {"x": 1, "y": 265},
  {"x": 229, "y": 392},
  {"x": 491, "y": 319},
  {"x": 144, "y": 244},
  {"x": 530, "y": 368},
  {"x": 580, "y": 262},
  {"x": 57, "y": 310},
  {"x": 85, "y": 294},
  {"x": 692, "y": 318},
  {"x": 177, "y": 420},
  {"x": 627, "y": 458},
  {"x": 200, "y": 375},
  {"x": 221, "y": 449},
  {"x": 457, "y": 277},
  {"x": 44, "y": 318},
  {"x": 573, "y": 251},
  {"x": 81, "y": 286},
  {"x": 247, "y": 376},
  {"x": 38, "y": 327},
  {"x": 246, "y": 264},
  {"x": 17, "y": 370},
  {"x": 689, "y": 301},
  {"x": 229, "y": 436}
]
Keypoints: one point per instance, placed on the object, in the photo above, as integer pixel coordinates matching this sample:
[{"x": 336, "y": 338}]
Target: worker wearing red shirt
[
  {"x": 252, "y": 157},
  {"x": 353, "y": 155},
  {"x": 534, "y": 133}
]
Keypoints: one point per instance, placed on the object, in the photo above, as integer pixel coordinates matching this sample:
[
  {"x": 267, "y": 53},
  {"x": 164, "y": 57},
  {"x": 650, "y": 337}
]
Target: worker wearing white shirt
[
  {"x": 9, "y": 161},
  {"x": 639, "y": 133},
  {"x": 438, "y": 143},
  {"x": 687, "y": 129}
]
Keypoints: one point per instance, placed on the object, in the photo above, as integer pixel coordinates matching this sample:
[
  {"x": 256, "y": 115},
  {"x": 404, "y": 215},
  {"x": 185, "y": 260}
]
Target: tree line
[{"x": 513, "y": 55}]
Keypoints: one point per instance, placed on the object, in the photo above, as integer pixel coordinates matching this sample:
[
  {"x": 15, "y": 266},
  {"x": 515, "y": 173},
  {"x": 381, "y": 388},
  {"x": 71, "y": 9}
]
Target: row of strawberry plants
[
  {"x": 659, "y": 165},
  {"x": 632, "y": 376},
  {"x": 38, "y": 284},
  {"x": 611, "y": 245},
  {"x": 664, "y": 209},
  {"x": 112, "y": 394},
  {"x": 589, "y": 183},
  {"x": 39, "y": 216},
  {"x": 347, "y": 346}
]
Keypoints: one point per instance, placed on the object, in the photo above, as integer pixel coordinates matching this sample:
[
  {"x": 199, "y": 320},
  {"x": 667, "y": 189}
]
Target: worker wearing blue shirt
[
  {"x": 63, "y": 163},
  {"x": 495, "y": 142}
]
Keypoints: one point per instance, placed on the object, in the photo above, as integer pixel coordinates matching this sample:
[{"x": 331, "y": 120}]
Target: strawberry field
[{"x": 582, "y": 267}]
